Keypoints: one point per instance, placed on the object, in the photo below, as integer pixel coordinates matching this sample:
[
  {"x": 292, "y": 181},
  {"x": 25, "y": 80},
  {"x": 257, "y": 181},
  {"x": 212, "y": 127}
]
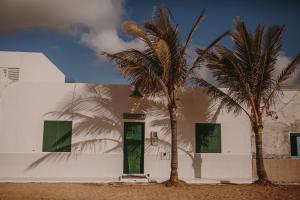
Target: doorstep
[{"x": 134, "y": 178}]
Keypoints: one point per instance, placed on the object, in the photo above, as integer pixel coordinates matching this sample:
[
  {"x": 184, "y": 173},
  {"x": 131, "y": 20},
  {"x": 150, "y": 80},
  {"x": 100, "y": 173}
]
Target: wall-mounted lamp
[{"x": 154, "y": 138}]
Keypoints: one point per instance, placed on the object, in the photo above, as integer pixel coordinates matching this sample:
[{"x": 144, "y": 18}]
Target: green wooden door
[{"x": 133, "y": 148}]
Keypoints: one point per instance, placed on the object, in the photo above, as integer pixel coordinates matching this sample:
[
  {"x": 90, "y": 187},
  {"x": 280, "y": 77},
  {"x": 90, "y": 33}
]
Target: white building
[{"x": 56, "y": 131}]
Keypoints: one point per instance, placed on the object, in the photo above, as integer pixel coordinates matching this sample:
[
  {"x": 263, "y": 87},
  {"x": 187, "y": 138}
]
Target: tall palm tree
[
  {"x": 248, "y": 73},
  {"x": 160, "y": 69}
]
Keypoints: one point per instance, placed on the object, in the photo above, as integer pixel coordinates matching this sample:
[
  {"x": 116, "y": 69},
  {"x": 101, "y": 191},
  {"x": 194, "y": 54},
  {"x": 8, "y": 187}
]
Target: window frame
[
  {"x": 62, "y": 150},
  {"x": 220, "y": 138}
]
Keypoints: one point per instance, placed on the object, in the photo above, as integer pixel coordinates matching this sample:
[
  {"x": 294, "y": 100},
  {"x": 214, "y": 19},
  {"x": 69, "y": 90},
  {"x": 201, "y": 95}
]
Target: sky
[{"x": 73, "y": 33}]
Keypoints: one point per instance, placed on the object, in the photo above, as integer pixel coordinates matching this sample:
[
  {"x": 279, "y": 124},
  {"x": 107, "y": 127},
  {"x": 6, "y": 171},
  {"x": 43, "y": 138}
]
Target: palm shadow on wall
[
  {"x": 194, "y": 107},
  {"x": 96, "y": 112}
]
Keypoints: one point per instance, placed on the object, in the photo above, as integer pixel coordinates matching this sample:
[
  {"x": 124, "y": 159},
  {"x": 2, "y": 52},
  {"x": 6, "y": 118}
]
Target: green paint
[
  {"x": 133, "y": 148},
  {"x": 208, "y": 138},
  {"x": 57, "y": 136}
]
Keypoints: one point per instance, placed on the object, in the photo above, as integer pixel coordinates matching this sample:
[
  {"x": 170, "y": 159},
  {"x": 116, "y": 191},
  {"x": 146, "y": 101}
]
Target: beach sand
[{"x": 117, "y": 191}]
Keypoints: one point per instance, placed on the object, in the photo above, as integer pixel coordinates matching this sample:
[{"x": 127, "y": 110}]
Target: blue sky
[{"x": 74, "y": 50}]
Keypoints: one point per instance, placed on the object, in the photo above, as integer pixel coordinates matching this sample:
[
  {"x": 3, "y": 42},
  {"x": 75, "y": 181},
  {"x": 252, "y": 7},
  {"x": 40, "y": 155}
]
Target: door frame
[{"x": 142, "y": 143}]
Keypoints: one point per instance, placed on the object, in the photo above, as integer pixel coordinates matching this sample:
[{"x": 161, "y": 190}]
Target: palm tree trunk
[
  {"x": 174, "y": 154},
  {"x": 260, "y": 168}
]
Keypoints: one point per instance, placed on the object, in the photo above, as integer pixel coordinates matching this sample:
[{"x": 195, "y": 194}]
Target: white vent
[{"x": 9, "y": 74}]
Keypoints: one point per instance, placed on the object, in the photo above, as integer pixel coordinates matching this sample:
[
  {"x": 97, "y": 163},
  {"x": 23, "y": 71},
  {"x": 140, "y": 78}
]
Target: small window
[
  {"x": 208, "y": 138},
  {"x": 295, "y": 144},
  {"x": 57, "y": 136}
]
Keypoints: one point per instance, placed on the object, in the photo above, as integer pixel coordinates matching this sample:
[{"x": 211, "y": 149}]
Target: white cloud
[
  {"x": 95, "y": 22},
  {"x": 109, "y": 41}
]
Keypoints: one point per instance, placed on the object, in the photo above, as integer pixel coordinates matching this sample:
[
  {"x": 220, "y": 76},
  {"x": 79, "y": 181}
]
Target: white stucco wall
[
  {"x": 34, "y": 67},
  {"x": 96, "y": 112}
]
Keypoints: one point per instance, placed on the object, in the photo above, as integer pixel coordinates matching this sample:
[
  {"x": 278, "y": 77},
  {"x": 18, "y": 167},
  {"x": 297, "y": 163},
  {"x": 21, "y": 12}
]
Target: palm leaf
[
  {"x": 289, "y": 70},
  {"x": 133, "y": 29},
  {"x": 204, "y": 53},
  {"x": 141, "y": 68},
  {"x": 225, "y": 99},
  {"x": 164, "y": 55},
  {"x": 283, "y": 76},
  {"x": 195, "y": 26}
]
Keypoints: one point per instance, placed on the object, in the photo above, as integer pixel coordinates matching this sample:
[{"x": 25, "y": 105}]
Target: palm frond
[
  {"x": 164, "y": 18},
  {"x": 229, "y": 102},
  {"x": 135, "y": 30},
  {"x": 203, "y": 54},
  {"x": 141, "y": 68},
  {"x": 195, "y": 26},
  {"x": 271, "y": 48},
  {"x": 283, "y": 76},
  {"x": 164, "y": 55},
  {"x": 242, "y": 40},
  {"x": 257, "y": 41},
  {"x": 289, "y": 70},
  {"x": 248, "y": 70},
  {"x": 257, "y": 58},
  {"x": 218, "y": 39},
  {"x": 229, "y": 72},
  {"x": 152, "y": 29},
  {"x": 162, "y": 21}
]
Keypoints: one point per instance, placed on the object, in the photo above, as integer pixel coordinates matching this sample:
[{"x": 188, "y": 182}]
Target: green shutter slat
[{"x": 208, "y": 138}]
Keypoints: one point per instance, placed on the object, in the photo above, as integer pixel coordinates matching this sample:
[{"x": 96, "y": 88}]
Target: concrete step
[{"x": 134, "y": 178}]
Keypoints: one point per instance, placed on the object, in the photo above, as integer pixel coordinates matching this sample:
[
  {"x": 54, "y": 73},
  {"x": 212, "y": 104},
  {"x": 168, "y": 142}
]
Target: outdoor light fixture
[{"x": 136, "y": 93}]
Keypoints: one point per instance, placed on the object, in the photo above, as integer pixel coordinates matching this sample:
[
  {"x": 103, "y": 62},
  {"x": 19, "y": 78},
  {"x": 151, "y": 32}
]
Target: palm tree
[
  {"x": 160, "y": 69},
  {"x": 248, "y": 73}
]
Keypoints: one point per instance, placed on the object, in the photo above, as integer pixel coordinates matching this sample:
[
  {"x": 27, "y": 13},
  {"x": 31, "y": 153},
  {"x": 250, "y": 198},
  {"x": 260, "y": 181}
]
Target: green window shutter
[
  {"x": 50, "y": 131},
  {"x": 63, "y": 143},
  {"x": 208, "y": 138},
  {"x": 295, "y": 144},
  {"x": 57, "y": 136}
]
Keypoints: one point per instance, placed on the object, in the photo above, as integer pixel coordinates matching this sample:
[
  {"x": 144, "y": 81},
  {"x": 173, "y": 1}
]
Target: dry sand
[{"x": 55, "y": 191}]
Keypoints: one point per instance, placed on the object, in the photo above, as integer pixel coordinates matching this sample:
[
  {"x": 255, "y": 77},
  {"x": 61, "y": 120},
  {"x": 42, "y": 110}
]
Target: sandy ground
[{"x": 55, "y": 191}]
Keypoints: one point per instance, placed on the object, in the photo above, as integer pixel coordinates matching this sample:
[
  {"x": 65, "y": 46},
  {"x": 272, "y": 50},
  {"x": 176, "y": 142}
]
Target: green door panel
[
  {"x": 208, "y": 138},
  {"x": 133, "y": 147}
]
